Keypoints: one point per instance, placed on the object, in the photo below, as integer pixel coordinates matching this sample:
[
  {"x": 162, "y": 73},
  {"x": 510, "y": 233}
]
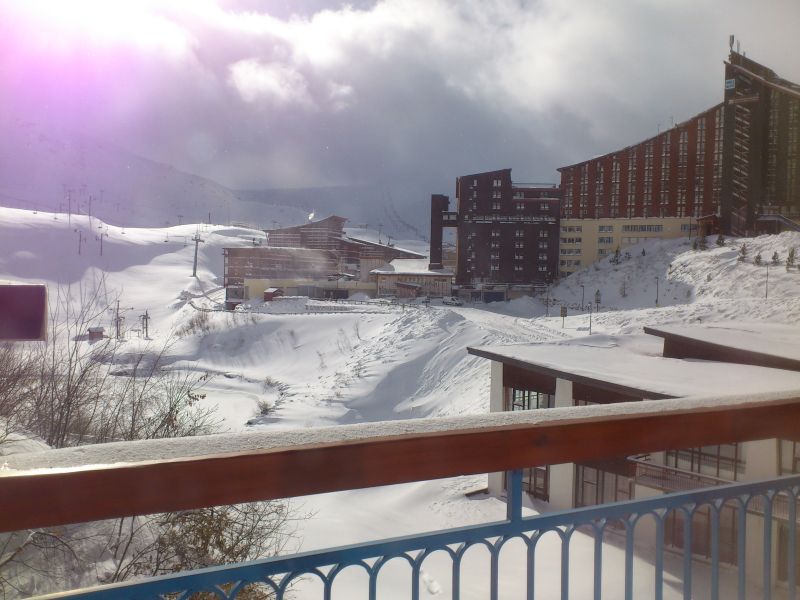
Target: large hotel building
[{"x": 734, "y": 168}]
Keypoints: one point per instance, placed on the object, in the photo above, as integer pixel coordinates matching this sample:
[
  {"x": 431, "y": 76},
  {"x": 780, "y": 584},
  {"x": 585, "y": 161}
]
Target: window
[
  {"x": 652, "y": 228},
  {"x": 542, "y": 245},
  {"x": 495, "y": 193},
  {"x": 497, "y": 183},
  {"x": 517, "y": 268},
  {"x": 495, "y": 206},
  {"x": 542, "y": 256},
  {"x": 605, "y": 240},
  {"x": 605, "y": 228},
  {"x": 519, "y": 244},
  {"x": 519, "y": 206},
  {"x": 519, "y": 233},
  {"x": 542, "y": 268},
  {"x": 544, "y": 206},
  {"x": 495, "y": 233},
  {"x": 543, "y": 233}
]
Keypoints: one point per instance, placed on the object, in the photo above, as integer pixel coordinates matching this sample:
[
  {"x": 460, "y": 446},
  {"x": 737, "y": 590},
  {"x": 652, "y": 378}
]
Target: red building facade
[
  {"x": 677, "y": 173},
  {"x": 732, "y": 164}
]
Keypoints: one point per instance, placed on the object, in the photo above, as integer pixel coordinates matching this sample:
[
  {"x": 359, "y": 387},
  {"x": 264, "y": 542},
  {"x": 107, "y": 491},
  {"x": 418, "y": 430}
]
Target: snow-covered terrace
[
  {"x": 765, "y": 344},
  {"x": 617, "y": 364}
]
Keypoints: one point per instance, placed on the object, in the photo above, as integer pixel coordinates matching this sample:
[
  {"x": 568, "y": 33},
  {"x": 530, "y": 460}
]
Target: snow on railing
[{"x": 121, "y": 479}]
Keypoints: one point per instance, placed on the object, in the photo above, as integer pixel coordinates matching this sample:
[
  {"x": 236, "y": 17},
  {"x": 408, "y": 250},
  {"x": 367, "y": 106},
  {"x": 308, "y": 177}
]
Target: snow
[
  {"x": 762, "y": 338},
  {"x": 221, "y": 444},
  {"x": 617, "y": 361},
  {"x": 410, "y": 266},
  {"x": 404, "y": 365}
]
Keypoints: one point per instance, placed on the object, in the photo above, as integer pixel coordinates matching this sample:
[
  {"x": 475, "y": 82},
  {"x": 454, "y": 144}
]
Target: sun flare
[{"x": 148, "y": 24}]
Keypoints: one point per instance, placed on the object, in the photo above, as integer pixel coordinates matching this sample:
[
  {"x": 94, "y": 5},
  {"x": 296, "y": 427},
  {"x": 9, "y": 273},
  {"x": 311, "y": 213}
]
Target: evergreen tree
[
  {"x": 758, "y": 260},
  {"x": 616, "y": 258},
  {"x": 695, "y": 245},
  {"x": 643, "y": 252},
  {"x": 703, "y": 242},
  {"x": 720, "y": 240},
  {"x": 790, "y": 258},
  {"x": 743, "y": 253},
  {"x": 776, "y": 259}
]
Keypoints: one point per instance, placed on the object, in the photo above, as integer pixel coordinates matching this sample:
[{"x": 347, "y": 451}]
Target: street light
[
  {"x": 590, "y": 318},
  {"x": 597, "y": 298}
]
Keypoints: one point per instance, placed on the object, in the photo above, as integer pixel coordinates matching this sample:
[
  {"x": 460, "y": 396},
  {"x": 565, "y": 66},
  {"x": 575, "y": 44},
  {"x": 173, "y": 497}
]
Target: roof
[
  {"x": 766, "y": 344},
  {"x": 411, "y": 266},
  {"x": 631, "y": 366},
  {"x": 348, "y": 237}
]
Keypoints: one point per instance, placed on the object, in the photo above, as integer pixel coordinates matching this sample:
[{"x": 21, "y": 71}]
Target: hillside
[{"x": 378, "y": 362}]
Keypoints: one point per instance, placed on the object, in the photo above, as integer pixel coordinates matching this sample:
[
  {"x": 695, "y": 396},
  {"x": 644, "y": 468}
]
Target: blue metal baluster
[
  {"x": 688, "y": 517},
  {"x": 741, "y": 549},
  {"x": 514, "y": 496},
  {"x": 660, "y": 516},
  {"x": 565, "y": 540},
  {"x": 768, "y": 545},
  {"x": 494, "y": 574},
  {"x": 715, "y": 510},
  {"x": 792, "y": 525},
  {"x": 599, "y": 532},
  {"x": 415, "y": 570},
  {"x": 629, "y": 525},
  {"x": 373, "y": 582},
  {"x": 532, "y": 564},
  {"x": 457, "y": 571}
]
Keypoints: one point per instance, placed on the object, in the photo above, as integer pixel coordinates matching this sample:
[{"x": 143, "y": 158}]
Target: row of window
[
  {"x": 653, "y": 228},
  {"x": 497, "y": 205}
]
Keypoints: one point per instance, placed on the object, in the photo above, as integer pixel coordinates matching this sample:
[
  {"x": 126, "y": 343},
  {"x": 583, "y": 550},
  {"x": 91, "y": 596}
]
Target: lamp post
[
  {"x": 590, "y": 318},
  {"x": 582, "y": 295},
  {"x": 766, "y": 284},
  {"x": 597, "y": 298}
]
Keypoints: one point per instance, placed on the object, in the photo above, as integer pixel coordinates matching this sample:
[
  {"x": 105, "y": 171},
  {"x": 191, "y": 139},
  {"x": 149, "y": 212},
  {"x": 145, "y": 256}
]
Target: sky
[{"x": 273, "y": 93}]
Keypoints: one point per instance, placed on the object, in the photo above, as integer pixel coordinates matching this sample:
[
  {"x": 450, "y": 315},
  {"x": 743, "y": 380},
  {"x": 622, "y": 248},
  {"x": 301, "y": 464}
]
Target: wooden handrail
[{"x": 351, "y": 457}]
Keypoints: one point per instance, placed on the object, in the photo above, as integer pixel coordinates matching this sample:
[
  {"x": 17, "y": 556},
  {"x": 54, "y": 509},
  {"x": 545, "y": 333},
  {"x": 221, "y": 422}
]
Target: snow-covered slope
[{"x": 382, "y": 363}]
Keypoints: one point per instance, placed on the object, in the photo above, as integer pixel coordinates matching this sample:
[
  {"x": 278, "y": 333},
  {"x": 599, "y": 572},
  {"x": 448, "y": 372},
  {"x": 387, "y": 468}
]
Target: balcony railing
[{"x": 287, "y": 464}]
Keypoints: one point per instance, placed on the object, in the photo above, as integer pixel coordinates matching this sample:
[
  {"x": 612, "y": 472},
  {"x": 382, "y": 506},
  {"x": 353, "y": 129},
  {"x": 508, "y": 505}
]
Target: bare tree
[{"x": 68, "y": 392}]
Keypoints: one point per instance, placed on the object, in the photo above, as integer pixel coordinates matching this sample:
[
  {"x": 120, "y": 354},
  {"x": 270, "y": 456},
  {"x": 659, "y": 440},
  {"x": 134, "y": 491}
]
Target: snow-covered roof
[
  {"x": 410, "y": 266},
  {"x": 367, "y": 236},
  {"x": 755, "y": 340},
  {"x": 626, "y": 368}
]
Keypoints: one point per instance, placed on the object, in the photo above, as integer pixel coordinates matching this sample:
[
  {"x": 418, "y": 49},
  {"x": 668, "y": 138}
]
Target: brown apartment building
[{"x": 507, "y": 232}]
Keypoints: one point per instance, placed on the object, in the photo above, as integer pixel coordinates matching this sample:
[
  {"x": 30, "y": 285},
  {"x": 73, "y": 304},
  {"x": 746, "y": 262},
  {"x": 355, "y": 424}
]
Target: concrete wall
[
  {"x": 496, "y": 404},
  {"x": 562, "y": 477}
]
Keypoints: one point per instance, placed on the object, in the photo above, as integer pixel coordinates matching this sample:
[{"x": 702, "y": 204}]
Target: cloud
[
  {"x": 410, "y": 91},
  {"x": 276, "y": 84}
]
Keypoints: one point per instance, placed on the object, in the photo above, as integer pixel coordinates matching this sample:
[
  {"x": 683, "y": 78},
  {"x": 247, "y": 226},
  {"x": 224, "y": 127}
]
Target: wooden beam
[{"x": 44, "y": 498}]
